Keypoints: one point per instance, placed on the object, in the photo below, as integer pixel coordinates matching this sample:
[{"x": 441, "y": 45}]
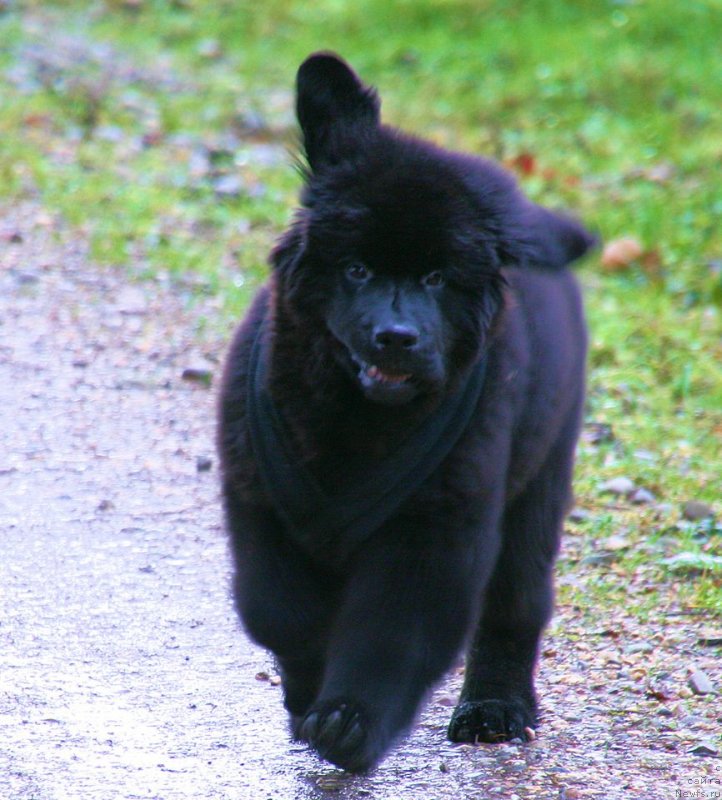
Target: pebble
[
  {"x": 597, "y": 559},
  {"x": 446, "y": 701},
  {"x": 204, "y": 464},
  {"x": 615, "y": 542},
  {"x": 704, "y": 748},
  {"x": 598, "y": 433},
  {"x": 699, "y": 682},
  {"x": 228, "y": 186},
  {"x": 131, "y": 300},
  {"x": 642, "y": 497},
  {"x": 26, "y": 278},
  {"x": 638, "y": 647},
  {"x": 209, "y": 48},
  {"x": 619, "y": 486},
  {"x": 694, "y": 510},
  {"x": 197, "y": 375}
]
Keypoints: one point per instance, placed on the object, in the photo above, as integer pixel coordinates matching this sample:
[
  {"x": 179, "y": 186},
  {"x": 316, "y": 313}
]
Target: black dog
[{"x": 398, "y": 419}]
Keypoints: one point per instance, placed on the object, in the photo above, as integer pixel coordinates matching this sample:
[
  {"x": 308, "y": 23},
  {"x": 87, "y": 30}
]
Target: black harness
[{"x": 340, "y": 522}]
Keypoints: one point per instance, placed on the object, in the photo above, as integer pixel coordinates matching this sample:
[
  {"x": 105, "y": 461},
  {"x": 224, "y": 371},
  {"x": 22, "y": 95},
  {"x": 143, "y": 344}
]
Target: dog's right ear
[{"x": 334, "y": 108}]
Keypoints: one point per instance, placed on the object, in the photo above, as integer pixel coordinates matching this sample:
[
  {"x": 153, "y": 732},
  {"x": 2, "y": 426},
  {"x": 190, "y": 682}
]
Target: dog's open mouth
[
  {"x": 378, "y": 375},
  {"x": 386, "y": 385}
]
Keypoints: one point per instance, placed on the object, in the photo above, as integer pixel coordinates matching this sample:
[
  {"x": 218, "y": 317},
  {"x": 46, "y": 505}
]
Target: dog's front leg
[{"x": 405, "y": 613}]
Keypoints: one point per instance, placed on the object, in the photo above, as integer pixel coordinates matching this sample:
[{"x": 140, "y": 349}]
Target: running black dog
[{"x": 398, "y": 419}]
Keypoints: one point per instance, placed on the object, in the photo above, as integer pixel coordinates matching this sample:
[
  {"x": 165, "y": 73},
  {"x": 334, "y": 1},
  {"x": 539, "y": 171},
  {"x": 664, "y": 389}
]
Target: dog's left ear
[
  {"x": 334, "y": 108},
  {"x": 557, "y": 239}
]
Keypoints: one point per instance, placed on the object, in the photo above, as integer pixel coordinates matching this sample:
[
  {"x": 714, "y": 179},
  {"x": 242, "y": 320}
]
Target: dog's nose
[{"x": 402, "y": 337}]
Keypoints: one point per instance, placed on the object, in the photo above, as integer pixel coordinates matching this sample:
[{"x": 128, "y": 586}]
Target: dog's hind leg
[{"x": 498, "y": 700}]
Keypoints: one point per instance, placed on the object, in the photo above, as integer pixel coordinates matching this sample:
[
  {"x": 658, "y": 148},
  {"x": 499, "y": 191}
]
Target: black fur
[{"x": 404, "y": 265}]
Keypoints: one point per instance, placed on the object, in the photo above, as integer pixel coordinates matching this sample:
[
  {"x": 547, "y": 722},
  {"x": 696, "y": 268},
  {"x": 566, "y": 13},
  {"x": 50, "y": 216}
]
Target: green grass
[{"x": 124, "y": 119}]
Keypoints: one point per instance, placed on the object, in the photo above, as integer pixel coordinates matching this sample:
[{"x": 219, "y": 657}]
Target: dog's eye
[
  {"x": 358, "y": 272},
  {"x": 433, "y": 279}
]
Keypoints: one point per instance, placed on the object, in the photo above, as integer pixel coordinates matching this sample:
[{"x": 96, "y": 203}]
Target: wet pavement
[
  {"x": 123, "y": 673},
  {"x": 122, "y": 670}
]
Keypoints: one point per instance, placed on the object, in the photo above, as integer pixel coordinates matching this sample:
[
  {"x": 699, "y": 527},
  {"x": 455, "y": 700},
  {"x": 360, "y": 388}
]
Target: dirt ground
[{"x": 123, "y": 673}]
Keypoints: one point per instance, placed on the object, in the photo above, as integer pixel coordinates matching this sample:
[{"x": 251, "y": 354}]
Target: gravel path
[{"x": 122, "y": 670}]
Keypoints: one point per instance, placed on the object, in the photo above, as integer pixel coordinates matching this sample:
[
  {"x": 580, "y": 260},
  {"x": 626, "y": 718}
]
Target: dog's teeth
[{"x": 376, "y": 374}]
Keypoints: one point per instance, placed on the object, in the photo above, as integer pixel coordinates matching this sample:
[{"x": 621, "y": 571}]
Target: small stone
[
  {"x": 663, "y": 509},
  {"x": 27, "y": 278},
  {"x": 131, "y": 300},
  {"x": 638, "y": 647},
  {"x": 642, "y": 497},
  {"x": 209, "y": 48},
  {"x": 704, "y": 748},
  {"x": 699, "y": 682},
  {"x": 598, "y": 433},
  {"x": 197, "y": 375},
  {"x": 614, "y": 543},
  {"x": 693, "y": 563},
  {"x": 204, "y": 464},
  {"x": 694, "y": 510},
  {"x": 106, "y": 505},
  {"x": 228, "y": 186},
  {"x": 578, "y": 515},
  {"x": 446, "y": 700},
  {"x": 251, "y": 123},
  {"x": 331, "y": 783},
  {"x": 619, "y": 486},
  {"x": 599, "y": 559}
]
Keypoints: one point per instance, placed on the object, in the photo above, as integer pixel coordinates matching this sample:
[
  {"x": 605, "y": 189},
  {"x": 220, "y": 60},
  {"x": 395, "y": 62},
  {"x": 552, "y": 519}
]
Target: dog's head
[{"x": 399, "y": 246}]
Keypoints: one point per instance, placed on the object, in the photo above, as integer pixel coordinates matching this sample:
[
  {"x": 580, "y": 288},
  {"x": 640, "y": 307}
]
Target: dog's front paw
[
  {"x": 339, "y": 731},
  {"x": 492, "y": 721}
]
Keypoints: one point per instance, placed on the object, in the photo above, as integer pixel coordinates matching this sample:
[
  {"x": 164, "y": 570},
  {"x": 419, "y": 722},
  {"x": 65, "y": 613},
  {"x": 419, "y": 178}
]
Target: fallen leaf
[
  {"x": 620, "y": 253},
  {"x": 525, "y": 163}
]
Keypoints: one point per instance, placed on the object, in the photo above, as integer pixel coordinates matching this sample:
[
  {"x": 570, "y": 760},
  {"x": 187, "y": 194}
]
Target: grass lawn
[{"x": 163, "y": 131}]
